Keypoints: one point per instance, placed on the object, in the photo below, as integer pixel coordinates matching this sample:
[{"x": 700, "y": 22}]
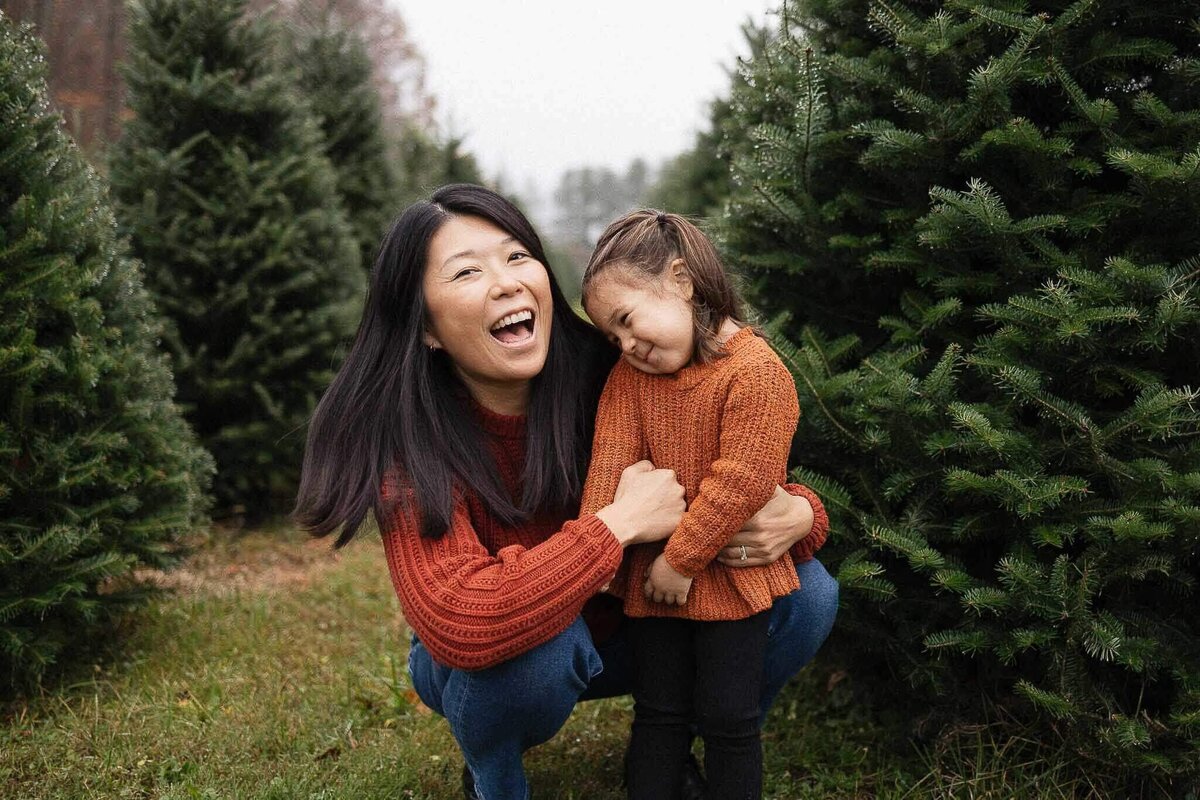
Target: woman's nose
[{"x": 505, "y": 284}]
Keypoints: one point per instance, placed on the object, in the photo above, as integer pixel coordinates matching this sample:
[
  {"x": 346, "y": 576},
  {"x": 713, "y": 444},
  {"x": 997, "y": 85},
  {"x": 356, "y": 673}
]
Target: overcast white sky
[{"x": 540, "y": 86}]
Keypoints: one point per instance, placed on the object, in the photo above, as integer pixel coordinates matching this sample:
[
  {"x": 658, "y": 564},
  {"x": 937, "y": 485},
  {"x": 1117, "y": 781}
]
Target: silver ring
[{"x": 743, "y": 558}]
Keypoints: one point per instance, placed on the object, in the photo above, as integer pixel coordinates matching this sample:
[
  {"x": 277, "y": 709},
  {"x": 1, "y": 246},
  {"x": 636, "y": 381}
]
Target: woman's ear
[
  {"x": 683, "y": 281},
  {"x": 431, "y": 341}
]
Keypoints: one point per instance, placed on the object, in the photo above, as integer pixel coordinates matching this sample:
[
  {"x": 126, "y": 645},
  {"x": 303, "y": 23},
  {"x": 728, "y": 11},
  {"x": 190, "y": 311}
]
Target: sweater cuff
[
  {"x": 591, "y": 527},
  {"x": 686, "y": 564},
  {"x": 804, "y": 549}
]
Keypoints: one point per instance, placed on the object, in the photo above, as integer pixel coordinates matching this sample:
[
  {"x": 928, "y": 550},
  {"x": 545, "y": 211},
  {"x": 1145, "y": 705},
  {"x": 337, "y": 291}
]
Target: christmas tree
[
  {"x": 233, "y": 207},
  {"x": 335, "y": 75},
  {"x": 974, "y": 223},
  {"x": 426, "y": 161},
  {"x": 99, "y": 474}
]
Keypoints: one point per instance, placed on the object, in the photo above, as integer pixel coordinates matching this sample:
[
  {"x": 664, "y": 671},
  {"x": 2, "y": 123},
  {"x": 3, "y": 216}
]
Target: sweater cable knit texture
[
  {"x": 485, "y": 592},
  {"x": 725, "y": 428}
]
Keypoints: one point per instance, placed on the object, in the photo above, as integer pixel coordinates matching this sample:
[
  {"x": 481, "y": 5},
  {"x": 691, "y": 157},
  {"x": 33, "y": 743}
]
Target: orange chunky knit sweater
[
  {"x": 725, "y": 428},
  {"x": 486, "y": 592}
]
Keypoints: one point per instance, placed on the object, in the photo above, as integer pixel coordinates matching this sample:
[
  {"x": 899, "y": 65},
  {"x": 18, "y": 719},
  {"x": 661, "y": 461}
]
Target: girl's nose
[{"x": 628, "y": 344}]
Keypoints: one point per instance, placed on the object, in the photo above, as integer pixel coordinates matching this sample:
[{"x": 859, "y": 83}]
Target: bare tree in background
[
  {"x": 588, "y": 198},
  {"x": 85, "y": 41},
  {"x": 399, "y": 68}
]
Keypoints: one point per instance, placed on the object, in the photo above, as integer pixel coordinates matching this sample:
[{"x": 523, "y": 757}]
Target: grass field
[{"x": 275, "y": 669}]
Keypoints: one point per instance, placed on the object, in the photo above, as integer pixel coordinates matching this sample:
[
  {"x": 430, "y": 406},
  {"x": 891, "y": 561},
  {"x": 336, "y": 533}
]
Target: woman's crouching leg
[
  {"x": 800, "y": 623},
  {"x": 498, "y": 713}
]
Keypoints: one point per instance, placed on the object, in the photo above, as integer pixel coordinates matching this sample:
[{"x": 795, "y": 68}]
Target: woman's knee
[
  {"x": 817, "y": 600},
  {"x": 800, "y": 623},
  {"x": 527, "y": 698}
]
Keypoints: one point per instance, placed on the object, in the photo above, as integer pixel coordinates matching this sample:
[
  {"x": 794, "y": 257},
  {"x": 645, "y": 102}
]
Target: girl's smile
[{"x": 649, "y": 320}]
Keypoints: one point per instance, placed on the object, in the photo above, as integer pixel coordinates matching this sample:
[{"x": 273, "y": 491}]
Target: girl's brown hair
[{"x": 646, "y": 242}]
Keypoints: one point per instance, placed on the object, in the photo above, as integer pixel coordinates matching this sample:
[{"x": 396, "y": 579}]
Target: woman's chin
[{"x": 520, "y": 360}]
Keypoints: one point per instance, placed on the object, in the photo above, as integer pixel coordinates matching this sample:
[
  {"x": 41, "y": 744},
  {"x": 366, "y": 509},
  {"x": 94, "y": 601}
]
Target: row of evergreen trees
[
  {"x": 99, "y": 472},
  {"x": 251, "y": 185},
  {"x": 223, "y": 185},
  {"x": 255, "y": 181},
  {"x": 973, "y": 224}
]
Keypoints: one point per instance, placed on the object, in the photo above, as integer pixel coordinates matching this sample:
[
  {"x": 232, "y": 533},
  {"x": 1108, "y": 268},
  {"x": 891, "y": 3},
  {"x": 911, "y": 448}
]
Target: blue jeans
[{"x": 498, "y": 713}]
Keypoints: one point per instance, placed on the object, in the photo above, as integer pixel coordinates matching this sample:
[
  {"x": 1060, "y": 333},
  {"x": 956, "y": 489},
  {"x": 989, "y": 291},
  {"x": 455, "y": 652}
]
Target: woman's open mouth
[{"x": 514, "y": 329}]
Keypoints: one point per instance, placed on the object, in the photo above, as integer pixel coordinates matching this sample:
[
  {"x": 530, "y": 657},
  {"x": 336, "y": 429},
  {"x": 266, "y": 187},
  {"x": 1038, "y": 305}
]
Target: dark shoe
[
  {"x": 468, "y": 782},
  {"x": 693, "y": 784}
]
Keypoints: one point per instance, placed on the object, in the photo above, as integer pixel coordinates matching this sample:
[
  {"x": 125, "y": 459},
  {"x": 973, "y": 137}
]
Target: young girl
[{"x": 700, "y": 393}]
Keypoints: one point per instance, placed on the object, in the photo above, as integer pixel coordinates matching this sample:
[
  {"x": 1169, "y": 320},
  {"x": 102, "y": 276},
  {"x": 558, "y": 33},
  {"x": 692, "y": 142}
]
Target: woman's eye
[
  {"x": 463, "y": 272},
  {"x": 517, "y": 255}
]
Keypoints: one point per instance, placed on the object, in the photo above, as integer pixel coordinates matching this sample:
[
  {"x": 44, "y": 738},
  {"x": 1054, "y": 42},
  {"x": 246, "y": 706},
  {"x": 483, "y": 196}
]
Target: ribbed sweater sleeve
[
  {"x": 620, "y": 439},
  {"x": 758, "y": 418},
  {"x": 473, "y": 610},
  {"x": 806, "y": 548}
]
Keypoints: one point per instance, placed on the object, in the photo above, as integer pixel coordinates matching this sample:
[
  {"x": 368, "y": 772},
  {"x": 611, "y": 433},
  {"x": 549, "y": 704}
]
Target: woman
[{"x": 462, "y": 418}]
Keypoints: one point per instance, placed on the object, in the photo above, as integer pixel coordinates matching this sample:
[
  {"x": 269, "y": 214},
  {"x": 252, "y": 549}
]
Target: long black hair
[{"x": 395, "y": 403}]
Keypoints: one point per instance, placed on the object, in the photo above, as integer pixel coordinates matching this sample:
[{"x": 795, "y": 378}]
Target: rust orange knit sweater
[
  {"x": 725, "y": 428},
  {"x": 487, "y": 592}
]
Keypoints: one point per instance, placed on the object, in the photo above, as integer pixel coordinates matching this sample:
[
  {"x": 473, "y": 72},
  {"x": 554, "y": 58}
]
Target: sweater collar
[
  {"x": 694, "y": 374},
  {"x": 505, "y": 426}
]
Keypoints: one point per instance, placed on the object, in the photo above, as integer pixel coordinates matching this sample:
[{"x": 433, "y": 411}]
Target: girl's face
[
  {"x": 488, "y": 305},
  {"x": 649, "y": 318}
]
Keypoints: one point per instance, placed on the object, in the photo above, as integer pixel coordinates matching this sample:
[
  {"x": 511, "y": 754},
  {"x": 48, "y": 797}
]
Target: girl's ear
[{"x": 683, "y": 281}]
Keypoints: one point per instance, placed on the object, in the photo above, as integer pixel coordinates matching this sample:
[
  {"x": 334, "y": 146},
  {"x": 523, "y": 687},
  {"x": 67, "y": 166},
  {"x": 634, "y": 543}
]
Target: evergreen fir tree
[
  {"x": 981, "y": 218},
  {"x": 425, "y": 162},
  {"x": 335, "y": 75},
  {"x": 234, "y": 209},
  {"x": 696, "y": 183},
  {"x": 99, "y": 473}
]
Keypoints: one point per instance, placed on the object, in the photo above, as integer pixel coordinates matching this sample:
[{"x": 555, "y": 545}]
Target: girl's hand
[
  {"x": 665, "y": 585},
  {"x": 769, "y": 534},
  {"x": 647, "y": 505}
]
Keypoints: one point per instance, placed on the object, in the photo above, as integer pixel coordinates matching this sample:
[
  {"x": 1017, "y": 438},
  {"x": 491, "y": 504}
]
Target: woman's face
[{"x": 488, "y": 305}]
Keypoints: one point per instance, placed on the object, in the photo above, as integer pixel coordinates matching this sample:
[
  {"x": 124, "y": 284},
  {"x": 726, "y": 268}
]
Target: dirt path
[{"x": 229, "y": 561}]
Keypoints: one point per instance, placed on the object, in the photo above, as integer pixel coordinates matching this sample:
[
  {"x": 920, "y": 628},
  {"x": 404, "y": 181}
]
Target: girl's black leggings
[{"x": 707, "y": 673}]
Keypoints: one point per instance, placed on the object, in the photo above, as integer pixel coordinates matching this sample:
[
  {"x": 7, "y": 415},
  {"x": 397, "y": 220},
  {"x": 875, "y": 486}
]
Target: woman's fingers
[
  {"x": 771, "y": 532},
  {"x": 656, "y": 497},
  {"x": 647, "y": 506},
  {"x": 755, "y": 556},
  {"x": 627, "y": 479}
]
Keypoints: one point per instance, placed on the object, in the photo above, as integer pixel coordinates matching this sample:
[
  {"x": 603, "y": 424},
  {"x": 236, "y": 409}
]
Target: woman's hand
[
  {"x": 665, "y": 585},
  {"x": 769, "y": 534},
  {"x": 647, "y": 505}
]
